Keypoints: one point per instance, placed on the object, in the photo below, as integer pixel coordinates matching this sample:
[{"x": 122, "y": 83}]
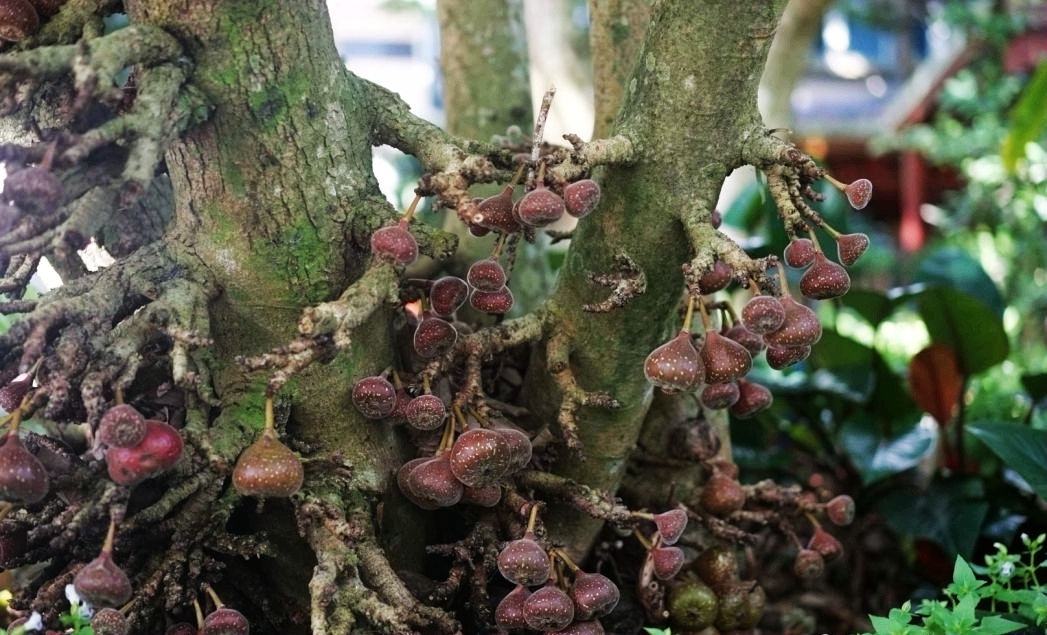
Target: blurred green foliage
[{"x": 978, "y": 287}]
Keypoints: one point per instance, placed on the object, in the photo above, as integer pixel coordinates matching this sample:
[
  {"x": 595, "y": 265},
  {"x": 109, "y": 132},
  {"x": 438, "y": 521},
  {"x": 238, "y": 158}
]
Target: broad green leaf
[
  {"x": 966, "y": 325},
  {"x": 871, "y": 305},
  {"x": 1028, "y": 118},
  {"x": 1022, "y": 448},
  {"x": 848, "y": 362},
  {"x": 877, "y": 456},
  {"x": 954, "y": 268},
  {"x": 1035, "y": 385},
  {"x": 950, "y": 513}
]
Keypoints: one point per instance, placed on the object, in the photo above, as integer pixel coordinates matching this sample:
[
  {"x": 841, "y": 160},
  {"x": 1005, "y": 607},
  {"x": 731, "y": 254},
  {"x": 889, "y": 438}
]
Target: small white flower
[
  {"x": 35, "y": 622},
  {"x": 1006, "y": 570},
  {"x": 71, "y": 594}
]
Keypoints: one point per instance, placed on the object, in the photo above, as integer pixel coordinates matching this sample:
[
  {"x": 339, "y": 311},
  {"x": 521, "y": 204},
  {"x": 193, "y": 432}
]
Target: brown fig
[
  {"x": 581, "y": 197},
  {"x": 850, "y": 247},
  {"x": 671, "y": 525},
  {"x": 675, "y": 365},
  {"x": 809, "y": 565},
  {"x": 374, "y": 397},
  {"x": 594, "y": 595},
  {"x": 722, "y": 495},
  {"x": 750, "y": 341},
  {"x": 541, "y": 206},
  {"x": 496, "y": 213},
  {"x": 799, "y": 253},
  {"x": 486, "y": 275},
  {"x": 268, "y": 469},
  {"x": 11, "y": 395},
  {"x": 548, "y": 609},
  {"x": 447, "y": 295},
  {"x": 480, "y": 457},
  {"x": 121, "y": 426},
  {"x": 110, "y": 621},
  {"x": 494, "y": 302},
  {"x": 716, "y": 278},
  {"x": 18, "y": 20},
  {"x": 824, "y": 279},
  {"x": 724, "y": 359},
  {"x": 782, "y": 357},
  {"x": 395, "y": 245},
  {"x": 752, "y": 398},
  {"x": 23, "y": 479},
  {"x": 482, "y": 495},
  {"x": 433, "y": 336},
  {"x": 827, "y": 546},
  {"x": 510, "y": 611},
  {"x": 859, "y": 193},
  {"x": 763, "y": 314},
  {"x": 720, "y": 396},
  {"x": 425, "y": 412},
  {"x": 840, "y": 510},
  {"x": 667, "y": 562},
  {"x": 717, "y": 566},
  {"x": 403, "y": 476},
  {"x": 225, "y": 621},
  {"x": 524, "y": 561},
  {"x": 800, "y": 327},
  {"x": 101, "y": 583},
  {"x": 435, "y": 483}
]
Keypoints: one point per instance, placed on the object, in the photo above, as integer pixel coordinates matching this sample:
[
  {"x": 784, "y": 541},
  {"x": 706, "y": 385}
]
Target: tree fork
[{"x": 688, "y": 109}]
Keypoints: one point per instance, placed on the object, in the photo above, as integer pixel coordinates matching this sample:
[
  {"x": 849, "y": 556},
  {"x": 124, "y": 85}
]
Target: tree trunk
[{"x": 274, "y": 206}]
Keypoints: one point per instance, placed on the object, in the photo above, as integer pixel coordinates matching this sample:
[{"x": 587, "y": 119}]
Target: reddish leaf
[{"x": 936, "y": 381}]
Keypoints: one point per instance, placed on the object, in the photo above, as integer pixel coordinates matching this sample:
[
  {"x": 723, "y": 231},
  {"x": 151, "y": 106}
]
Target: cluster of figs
[
  {"x": 485, "y": 286},
  {"x": 466, "y": 467},
  {"x": 712, "y": 592},
  {"x": 136, "y": 448},
  {"x": 550, "y": 599},
  {"x": 781, "y": 327}
]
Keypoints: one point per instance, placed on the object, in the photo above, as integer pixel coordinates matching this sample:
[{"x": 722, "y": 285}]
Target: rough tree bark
[{"x": 263, "y": 280}]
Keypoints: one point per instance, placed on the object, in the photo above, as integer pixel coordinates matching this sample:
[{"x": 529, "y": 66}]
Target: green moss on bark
[{"x": 689, "y": 107}]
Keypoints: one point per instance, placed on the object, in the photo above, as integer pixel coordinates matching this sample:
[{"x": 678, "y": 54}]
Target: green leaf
[
  {"x": 1028, "y": 118},
  {"x": 965, "y": 324},
  {"x": 950, "y": 513},
  {"x": 962, "y": 617},
  {"x": 1022, "y": 448},
  {"x": 871, "y": 305},
  {"x": 996, "y": 625},
  {"x": 848, "y": 364},
  {"x": 877, "y": 456},
  {"x": 1035, "y": 385},
  {"x": 954, "y": 268},
  {"x": 963, "y": 578}
]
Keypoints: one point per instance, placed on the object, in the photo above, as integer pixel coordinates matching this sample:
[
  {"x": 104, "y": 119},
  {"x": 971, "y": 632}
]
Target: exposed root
[
  {"x": 574, "y": 397},
  {"x": 98, "y": 193},
  {"x": 326, "y": 327},
  {"x": 353, "y": 579},
  {"x": 475, "y": 557}
]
